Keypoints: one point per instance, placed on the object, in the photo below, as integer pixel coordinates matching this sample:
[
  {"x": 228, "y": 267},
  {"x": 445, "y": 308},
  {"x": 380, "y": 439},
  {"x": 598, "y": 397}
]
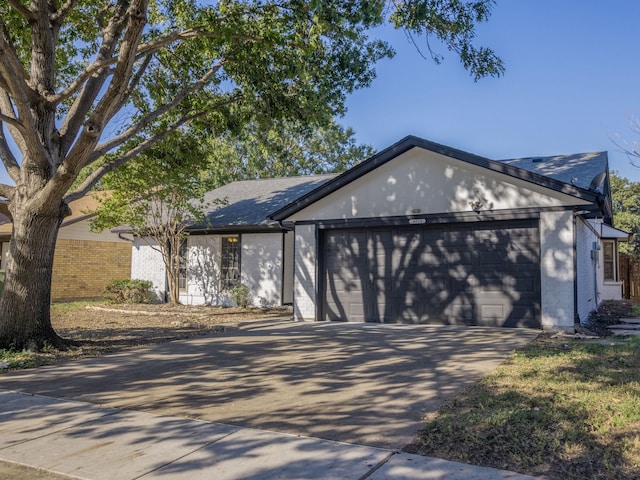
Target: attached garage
[
  {"x": 477, "y": 273},
  {"x": 424, "y": 233}
]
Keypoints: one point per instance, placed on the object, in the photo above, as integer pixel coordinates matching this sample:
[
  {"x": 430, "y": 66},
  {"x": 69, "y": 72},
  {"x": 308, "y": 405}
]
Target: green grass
[
  {"x": 66, "y": 307},
  {"x": 565, "y": 410},
  {"x": 635, "y": 310}
]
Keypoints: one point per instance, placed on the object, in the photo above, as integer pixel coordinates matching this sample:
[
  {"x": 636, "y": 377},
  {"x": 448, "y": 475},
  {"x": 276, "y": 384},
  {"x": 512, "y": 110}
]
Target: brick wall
[{"x": 82, "y": 268}]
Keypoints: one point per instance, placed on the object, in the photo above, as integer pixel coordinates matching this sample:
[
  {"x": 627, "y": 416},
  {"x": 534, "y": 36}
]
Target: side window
[
  {"x": 609, "y": 263},
  {"x": 229, "y": 263},
  {"x": 182, "y": 271}
]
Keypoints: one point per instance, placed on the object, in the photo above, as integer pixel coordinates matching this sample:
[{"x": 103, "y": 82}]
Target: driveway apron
[{"x": 367, "y": 384}]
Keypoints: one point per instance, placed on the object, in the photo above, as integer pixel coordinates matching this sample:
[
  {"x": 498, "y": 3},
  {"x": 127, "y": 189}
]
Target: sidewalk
[{"x": 86, "y": 441}]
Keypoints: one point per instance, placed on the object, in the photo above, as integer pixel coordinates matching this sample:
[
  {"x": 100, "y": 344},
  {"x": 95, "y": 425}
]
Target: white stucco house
[{"x": 418, "y": 233}]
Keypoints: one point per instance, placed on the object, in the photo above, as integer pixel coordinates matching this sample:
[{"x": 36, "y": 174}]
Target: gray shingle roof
[
  {"x": 578, "y": 169},
  {"x": 249, "y": 202}
]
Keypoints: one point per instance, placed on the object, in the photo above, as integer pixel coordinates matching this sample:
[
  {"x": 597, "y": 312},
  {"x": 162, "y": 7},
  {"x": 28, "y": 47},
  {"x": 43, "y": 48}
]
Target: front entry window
[{"x": 230, "y": 263}]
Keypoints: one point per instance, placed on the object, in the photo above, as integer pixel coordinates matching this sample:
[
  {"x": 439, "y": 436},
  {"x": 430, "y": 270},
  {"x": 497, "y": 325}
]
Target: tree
[
  {"x": 626, "y": 210},
  {"x": 156, "y": 195},
  {"x": 80, "y": 80},
  {"x": 286, "y": 149}
]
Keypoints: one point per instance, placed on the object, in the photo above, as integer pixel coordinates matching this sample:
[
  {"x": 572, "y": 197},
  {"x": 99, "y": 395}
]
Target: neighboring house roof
[
  {"x": 248, "y": 203},
  {"x": 534, "y": 176},
  {"x": 81, "y": 209}
]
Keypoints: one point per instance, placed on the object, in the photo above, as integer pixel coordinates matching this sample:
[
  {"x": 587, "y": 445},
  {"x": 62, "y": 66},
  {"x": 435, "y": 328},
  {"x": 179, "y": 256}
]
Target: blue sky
[{"x": 572, "y": 84}]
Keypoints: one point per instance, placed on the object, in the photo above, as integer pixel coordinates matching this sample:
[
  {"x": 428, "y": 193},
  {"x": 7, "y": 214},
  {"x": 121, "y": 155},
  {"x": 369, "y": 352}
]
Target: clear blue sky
[{"x": 572, "y": 84}]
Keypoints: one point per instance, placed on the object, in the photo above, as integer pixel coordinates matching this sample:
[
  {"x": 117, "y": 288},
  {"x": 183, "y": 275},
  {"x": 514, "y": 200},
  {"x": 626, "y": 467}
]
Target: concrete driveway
[{"x": 368, "y": 384}]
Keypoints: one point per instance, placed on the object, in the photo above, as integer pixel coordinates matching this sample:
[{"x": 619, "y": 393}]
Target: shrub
[
  {"x": 128, "y": 291},
  {"x": 240, "y": 295}
]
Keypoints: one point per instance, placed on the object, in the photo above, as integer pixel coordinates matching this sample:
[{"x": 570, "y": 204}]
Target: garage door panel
[{"x": 480, "y": 273}]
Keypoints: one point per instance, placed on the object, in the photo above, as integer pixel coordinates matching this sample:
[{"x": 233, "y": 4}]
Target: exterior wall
[
  {"x": 261, "y": 267},
  {"x": 288, "y": 268},
  {"x": 203, "y": 272},
  {"x": 147, "y": 264},
  {"x": 260, "y": 270},
  {"x": 82, "y": 268},
  {"x": 557, "y": 270},
  {"x": 586, "y": 281},
  {"x": 305, "y": 285},
  {"x": 425, "y": 182}
]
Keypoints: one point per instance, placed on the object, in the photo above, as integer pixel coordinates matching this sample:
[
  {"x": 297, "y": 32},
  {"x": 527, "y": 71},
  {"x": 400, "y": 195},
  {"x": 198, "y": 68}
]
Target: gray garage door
[{"x": 480, "y": 273}]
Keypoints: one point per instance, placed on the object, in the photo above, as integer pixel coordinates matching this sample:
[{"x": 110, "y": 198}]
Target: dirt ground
[{"x": 96, "y": 329}]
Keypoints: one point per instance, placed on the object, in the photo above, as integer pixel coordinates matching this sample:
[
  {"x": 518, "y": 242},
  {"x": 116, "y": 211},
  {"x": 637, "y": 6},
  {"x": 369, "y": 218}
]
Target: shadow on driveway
[{"x": 368, "y": 384}]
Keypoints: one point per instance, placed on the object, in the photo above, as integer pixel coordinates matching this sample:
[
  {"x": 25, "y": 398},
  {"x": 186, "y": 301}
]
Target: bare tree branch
[
  {"x": 7, "y": 191},
  {"x": 99, "y": 172},
  {"x": 91, "y": 88},
  {"x": 63, "y": 11},
  {"x": 112, "y": 99},
  {"x": 6, "y": 108},
  {"x": 13, "y": 73},
  {"x": 148, "y": 119},
  {"x": 8, "y": 158}
]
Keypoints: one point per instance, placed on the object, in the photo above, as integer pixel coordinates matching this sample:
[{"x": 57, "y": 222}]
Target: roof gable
[{"x": 411, "y": 142}]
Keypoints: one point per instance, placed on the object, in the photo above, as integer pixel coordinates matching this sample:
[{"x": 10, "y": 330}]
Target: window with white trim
[
  {"x": 229, "y": 263},
  {"x": 609, "y": 261}
]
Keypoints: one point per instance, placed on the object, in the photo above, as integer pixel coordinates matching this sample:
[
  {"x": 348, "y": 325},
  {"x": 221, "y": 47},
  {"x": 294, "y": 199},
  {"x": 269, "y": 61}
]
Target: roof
[
  {"x": 81, "y": 209},
  {"x": 580, "y": 169},
  {"x": 248, "y": 203},
  {"x": 534, "y": 176}
]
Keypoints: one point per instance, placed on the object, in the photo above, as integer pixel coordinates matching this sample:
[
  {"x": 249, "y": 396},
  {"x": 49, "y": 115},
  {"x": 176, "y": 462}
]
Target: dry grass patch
[
  {"x": 563, "y": 409},
  {"x": 97, "y": 328}
]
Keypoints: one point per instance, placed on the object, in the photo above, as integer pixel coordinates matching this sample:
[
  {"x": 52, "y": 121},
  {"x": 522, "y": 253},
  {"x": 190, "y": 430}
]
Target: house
[
  {"x": 84, "y": 262},
  {"x": 418, "y": 233},
  {"x": 235, "y": 243}
]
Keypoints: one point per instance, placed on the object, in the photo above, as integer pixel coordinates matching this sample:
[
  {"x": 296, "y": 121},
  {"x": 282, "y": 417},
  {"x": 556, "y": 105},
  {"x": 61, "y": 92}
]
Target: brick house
[{"x": 84, "y": 262}]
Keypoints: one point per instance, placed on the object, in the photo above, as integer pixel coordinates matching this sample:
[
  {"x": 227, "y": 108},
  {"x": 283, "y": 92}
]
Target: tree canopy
[{"x": 626, "y": 211}]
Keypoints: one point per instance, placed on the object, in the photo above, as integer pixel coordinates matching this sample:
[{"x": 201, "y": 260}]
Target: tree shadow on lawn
[{"x": 566, "y": 411}]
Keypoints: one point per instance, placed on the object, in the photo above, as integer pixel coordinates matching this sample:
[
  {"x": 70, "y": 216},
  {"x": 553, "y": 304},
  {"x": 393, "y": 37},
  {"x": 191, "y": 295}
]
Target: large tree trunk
[{"x": 25, "y": 320}]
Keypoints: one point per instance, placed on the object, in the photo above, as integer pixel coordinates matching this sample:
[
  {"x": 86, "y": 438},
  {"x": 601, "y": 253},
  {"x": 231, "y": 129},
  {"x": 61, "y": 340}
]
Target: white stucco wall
[
  {"x": 260, "y": 270},
  {"x": 305, "y": 284},
  {"x": 557, "y": 270},
  {"x": 203, "y": 273},
  {"x": 424, "y": 182},
  {"x": 261, "y": 267},
  {"x": 586, "y": 282},
  {"x": 288, "y": 268},
  {"x": 147, "y": 264}
]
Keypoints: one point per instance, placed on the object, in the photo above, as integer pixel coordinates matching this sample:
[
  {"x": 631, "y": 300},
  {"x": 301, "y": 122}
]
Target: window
[
  {"x": 229, "y": 263},
  {"x": 182, "y": 269},
  {"x": 609, "y": 263}
]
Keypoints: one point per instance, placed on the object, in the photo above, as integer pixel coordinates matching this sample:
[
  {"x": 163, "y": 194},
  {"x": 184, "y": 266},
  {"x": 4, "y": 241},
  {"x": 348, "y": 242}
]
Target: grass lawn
[{"x": 565, "y": 409}]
